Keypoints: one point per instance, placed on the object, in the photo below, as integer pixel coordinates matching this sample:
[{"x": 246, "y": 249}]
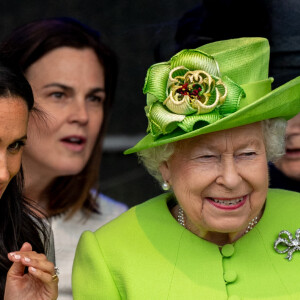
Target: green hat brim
[{"x": 283, "y": 102}]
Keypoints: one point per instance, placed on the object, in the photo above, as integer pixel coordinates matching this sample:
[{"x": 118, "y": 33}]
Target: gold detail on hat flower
[{"x": 194, "y": 92}]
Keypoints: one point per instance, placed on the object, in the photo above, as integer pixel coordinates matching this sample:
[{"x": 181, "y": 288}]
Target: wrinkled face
[
  {"x": 68, "y": 87},
  {"x": 220, "y": 179},
  {"x": 289, "y": 164},
  {"x": 13, "y": 129}
]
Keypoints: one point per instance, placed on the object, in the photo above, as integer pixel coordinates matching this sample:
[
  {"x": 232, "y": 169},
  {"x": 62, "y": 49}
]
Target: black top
[{"x": 280, "y": 181}]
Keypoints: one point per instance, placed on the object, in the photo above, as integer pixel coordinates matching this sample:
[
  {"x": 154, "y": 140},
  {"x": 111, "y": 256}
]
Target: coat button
[
  {"x": 230, "y": 276},
  {"x": 227, "y": 250}
]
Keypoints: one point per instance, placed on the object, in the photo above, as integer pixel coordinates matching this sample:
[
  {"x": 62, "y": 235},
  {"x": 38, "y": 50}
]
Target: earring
[{"x": 165, "y": 186}]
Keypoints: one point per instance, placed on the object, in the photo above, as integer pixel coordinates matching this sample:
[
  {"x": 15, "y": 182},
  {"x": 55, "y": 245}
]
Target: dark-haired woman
[
  {"x": 72, "y": 74},
  {"x": 20, "y": 229}
]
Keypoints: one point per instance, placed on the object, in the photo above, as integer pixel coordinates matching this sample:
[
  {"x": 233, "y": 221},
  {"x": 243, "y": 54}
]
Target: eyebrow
[
  {"x": 24, "y": 137},
  {"x": 252, "y": 142},
  {"x": 68, "y": 88}
]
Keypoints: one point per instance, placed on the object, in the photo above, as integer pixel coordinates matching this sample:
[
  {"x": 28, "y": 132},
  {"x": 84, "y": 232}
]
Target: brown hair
[{"x": 29, "y": 43}]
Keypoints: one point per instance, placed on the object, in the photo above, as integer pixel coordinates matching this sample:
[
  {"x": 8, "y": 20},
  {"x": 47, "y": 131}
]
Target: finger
[
  {"x": 47, "y": 279},
  {"x": 43, "y": 276},
  {"x": 26, "y": 247},
  {"x": 35, "y": 260},
  {"x": 17, "y": 268},
  {"x": 29, "y": 254}
]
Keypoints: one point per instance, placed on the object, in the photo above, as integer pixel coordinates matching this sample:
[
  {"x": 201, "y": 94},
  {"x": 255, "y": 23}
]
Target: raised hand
[{"x": 39, "y": 283}]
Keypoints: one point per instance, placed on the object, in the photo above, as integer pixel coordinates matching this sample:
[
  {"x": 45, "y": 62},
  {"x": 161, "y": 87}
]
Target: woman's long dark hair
[
  {"x": 25, "y": 46},
  {"x": 18, "y": 223}
]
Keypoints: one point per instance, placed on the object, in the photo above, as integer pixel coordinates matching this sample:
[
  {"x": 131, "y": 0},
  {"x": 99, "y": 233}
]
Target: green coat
[{"x": 145, "y": 254}]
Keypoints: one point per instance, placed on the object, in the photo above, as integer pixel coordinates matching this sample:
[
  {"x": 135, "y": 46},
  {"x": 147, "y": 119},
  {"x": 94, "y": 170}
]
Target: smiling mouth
[{"x": 230, "y": 202}]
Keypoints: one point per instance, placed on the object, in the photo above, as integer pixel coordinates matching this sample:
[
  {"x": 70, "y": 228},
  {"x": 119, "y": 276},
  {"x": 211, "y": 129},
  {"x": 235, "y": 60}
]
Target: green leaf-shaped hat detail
[{"x": 184, "y": 89}]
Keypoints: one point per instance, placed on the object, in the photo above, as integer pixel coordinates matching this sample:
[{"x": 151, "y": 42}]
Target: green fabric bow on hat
[{"x": 181, "y": 96}]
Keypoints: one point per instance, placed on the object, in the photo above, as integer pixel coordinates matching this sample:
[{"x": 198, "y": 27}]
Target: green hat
[{"x": 211, "y": 88}]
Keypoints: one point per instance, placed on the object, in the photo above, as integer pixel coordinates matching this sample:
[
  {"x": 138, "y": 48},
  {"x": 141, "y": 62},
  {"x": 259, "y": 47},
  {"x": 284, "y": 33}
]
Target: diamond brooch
[{"x": 285, "y": 243}]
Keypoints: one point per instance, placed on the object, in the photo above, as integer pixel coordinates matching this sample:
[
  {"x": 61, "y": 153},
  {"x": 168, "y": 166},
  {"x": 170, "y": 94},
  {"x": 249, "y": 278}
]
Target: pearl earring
[{"x": 165, "y": 186}]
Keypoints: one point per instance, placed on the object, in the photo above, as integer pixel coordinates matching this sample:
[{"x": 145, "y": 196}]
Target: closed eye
[
  {"x": 247, "y": 154},
  {"x": 206, "y": 158}
]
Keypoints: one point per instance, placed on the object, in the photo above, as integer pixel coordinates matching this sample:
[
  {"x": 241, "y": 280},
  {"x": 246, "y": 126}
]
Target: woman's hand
[{"x": 37, "y": 284}]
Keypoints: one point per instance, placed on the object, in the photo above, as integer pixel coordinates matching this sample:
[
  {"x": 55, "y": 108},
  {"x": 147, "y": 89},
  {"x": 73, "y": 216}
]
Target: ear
[{"x": 165, "y": 171}]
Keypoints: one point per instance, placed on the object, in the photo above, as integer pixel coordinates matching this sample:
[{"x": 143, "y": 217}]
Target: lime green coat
[{"x": 145, "y": 254}]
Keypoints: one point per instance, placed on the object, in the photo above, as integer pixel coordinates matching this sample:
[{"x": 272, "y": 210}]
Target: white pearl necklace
[{"x": 181, "y": 220}]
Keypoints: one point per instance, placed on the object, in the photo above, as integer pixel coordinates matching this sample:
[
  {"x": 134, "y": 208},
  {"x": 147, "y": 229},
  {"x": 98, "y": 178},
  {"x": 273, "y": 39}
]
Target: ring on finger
[{"x": 54, "y": 277}]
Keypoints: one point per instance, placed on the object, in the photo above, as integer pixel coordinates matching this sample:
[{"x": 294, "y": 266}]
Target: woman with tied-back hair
[
  {"x": 22, "y": 234},
  {"x": 73, "y": 76}
]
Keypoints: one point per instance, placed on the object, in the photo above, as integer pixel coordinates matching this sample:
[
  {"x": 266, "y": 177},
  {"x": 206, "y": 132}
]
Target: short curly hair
[{"x": 274, "y": 136}]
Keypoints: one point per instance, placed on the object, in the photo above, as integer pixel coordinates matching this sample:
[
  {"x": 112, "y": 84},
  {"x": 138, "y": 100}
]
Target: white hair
[{"x": 274, "y": 137}]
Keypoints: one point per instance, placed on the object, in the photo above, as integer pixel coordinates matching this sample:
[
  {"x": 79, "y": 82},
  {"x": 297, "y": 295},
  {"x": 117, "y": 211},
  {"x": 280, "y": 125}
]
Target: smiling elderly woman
[{"x": 220, "y": 233}]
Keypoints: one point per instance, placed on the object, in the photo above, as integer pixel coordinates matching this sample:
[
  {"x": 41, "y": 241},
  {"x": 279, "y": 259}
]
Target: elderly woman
[{"x": 220, "y": 233}]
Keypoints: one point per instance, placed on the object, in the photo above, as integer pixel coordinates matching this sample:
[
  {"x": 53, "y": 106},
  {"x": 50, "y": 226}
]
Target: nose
[
  {"x": 78, "y": 113},
  {"x": 229, "y": 176}
]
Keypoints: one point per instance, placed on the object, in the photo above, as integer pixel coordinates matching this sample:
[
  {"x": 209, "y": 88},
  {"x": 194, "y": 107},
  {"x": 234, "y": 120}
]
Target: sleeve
[{"x": 91, "y": 277}]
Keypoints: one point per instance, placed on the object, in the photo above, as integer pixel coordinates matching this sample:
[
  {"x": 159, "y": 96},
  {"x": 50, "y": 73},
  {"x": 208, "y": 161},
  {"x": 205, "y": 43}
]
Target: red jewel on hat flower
[{"x": 195, "y": 92}]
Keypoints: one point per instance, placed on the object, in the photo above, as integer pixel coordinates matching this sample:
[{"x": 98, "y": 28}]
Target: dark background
[{"x": 145, "y": 32}]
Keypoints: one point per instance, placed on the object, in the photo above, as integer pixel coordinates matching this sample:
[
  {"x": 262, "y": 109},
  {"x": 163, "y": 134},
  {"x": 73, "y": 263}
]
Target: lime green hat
[{"x": 211, "y": 88}]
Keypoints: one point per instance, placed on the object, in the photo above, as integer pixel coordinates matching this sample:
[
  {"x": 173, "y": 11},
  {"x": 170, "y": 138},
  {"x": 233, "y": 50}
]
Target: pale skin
[
  {"x": 38, "y": 283},
  {"x": 69, "y": 87},
  {"x": 289, "y": 164},
  {"x": 219, "y": 167}
]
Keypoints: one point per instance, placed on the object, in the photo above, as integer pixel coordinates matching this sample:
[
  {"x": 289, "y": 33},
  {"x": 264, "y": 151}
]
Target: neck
[
  {"x": 35, "y": 184},
  {"x": 218, "y": 238}
]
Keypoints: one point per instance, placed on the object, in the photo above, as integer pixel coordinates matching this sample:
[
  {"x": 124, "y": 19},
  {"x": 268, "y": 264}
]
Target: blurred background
[{"x": 148, "y": 31}]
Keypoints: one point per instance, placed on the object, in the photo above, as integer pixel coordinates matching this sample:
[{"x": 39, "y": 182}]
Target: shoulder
[
  {"x": 151, "y": 212},
  {"x": 282, "y": 209},
  {"x": 136, "y": 230},
  {"x": 283, "y": 198}
]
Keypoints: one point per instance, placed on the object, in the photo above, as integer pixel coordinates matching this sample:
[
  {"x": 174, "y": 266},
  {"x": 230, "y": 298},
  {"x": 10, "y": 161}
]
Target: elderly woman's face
[{"x": 220, "y": 179}]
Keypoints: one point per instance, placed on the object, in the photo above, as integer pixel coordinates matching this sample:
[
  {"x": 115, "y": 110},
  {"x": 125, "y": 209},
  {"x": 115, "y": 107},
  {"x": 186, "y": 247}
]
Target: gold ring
[{"x": 54, "y": 277}]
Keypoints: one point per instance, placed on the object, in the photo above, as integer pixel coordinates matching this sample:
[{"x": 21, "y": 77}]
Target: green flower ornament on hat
[{"x": 211, "y": 88}]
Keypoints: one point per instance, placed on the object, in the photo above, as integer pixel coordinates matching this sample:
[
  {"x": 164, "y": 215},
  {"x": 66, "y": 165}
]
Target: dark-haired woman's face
[
  {"x": 13, "y": 130},
  {"x": 68, "y": 86}
]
